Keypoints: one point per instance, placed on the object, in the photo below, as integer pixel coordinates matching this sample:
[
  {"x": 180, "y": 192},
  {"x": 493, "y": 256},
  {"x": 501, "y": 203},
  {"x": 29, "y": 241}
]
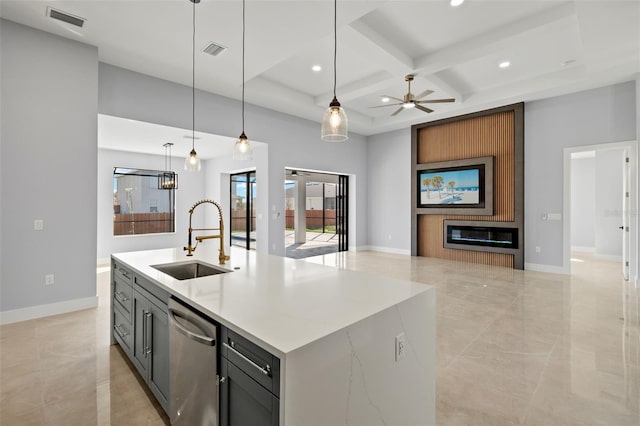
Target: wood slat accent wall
[{"x": 468, "y": 138}]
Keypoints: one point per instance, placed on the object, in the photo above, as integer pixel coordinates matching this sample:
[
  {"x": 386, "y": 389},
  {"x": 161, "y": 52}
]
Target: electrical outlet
[
  {"x": 401, "y": 346},
  {"x": 49, "y": 279},
  {"x": 38, "y": 225}
]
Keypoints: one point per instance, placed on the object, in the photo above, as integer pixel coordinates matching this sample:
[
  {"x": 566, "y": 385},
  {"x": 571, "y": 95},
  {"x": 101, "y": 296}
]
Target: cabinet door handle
[
  {"x": 124, "y": 272},
  {"x": 266, "y": 370},
  {"x": 144, "y": 333},
  {"x": 122, "y": 297},
  {"x": 122, "y": 334},
  {"x": 148, "y": 317}
]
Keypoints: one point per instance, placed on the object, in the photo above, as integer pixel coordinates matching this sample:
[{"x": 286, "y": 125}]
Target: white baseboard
[
  {"x": 391, "y": 250},
  {"x": 611, "y": 257},
  {"x": 546, "y": 268},
  {"x": 103, "y": 261},
  {"x": 583, "y": 249},
  {"x": 33, "y": 312}
]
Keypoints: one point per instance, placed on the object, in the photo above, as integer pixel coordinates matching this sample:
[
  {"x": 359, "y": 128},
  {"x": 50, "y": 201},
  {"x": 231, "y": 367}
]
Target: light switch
[{"x": 38, "y": 225}]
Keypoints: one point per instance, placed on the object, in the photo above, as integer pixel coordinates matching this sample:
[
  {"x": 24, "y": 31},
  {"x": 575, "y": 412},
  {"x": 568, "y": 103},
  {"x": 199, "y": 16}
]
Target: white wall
[
  {"x": 292, "y": 141},
  {"x": 608, "y": 203},
  {"x": 583, "y": 203},
  {"x": 598, "y": 116},
  {"x": 49, "y": 96},
  {"x": 191, "y": 188},
  {"x": 389, "y": 191}
]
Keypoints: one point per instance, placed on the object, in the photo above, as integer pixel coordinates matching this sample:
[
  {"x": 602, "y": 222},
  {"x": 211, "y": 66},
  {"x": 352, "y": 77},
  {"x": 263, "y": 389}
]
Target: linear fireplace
[{"x": 501, "y": 237}]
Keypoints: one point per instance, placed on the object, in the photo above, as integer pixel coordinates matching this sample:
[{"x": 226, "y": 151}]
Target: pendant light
[
  {"x": 192, "y": 162},
  {"x": 334, "y": 121},
  {"x": 168, "y": 179},
  {"x": 243, "y": 150}
]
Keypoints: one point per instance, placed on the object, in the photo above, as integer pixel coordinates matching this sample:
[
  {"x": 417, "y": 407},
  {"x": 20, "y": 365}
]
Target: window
[{"x": 143, "y": 203}]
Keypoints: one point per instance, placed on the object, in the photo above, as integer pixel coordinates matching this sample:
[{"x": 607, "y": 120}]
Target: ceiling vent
[
  {"x": 65, "y": 17},
  {"x": 214, "y": 49}
]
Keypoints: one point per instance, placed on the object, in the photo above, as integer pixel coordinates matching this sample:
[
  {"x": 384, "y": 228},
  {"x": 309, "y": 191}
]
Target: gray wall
[
  {"x": 583, "y": 203},
  {"x": 292, "y": 141},
  {"x": 608, "y": 206},
  {"x": 49, "y": 91},
  {"x": 190, "y": 189},
  {"x": 389, "y": 191},
  {"x": 596, "y": 116}
]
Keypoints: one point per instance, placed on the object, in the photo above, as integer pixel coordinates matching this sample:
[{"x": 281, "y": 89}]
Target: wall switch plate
[
  {"x": 401, "y": 346},
  {"x": 38, "y": 225},
  {"x": 538, "y": 249},
  {"x": 49, "y": 279}
]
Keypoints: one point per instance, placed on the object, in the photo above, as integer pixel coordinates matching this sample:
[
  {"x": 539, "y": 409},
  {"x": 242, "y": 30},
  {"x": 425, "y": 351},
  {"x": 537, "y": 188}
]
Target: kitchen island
[{"x": 353, "y": 348}]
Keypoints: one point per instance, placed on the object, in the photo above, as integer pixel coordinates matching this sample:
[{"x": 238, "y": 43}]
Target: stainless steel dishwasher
[{"x": 194, "y": 380}]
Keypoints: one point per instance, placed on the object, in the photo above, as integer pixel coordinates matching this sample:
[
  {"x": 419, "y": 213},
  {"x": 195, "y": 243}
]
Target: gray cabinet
[
  {"x": 150, "y": 353},
  {"x": 249, "y": 383},
  {"x": 121, "y": 306}
]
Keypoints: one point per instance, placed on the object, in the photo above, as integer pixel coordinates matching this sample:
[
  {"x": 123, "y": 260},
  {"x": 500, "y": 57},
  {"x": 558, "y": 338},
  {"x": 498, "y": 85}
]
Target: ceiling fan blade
[
  {"x": 423, "y": 94},
  {"x": 425, "y": 109},
  {"x": 393, "y": 97},
  {"x": 398, "y": 111},
  {"x": 436, "y": 101},
  {"x": 382, "y": 106}
]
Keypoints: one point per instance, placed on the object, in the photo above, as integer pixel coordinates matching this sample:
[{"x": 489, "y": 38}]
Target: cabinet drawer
[
  {"x": 123, "y": 297},
  {"x": 257, "y": 363},
  {"x": 151, "y": 288},
  {"x": 122, "y": 272},
  {"x": 122, "y": 331}
]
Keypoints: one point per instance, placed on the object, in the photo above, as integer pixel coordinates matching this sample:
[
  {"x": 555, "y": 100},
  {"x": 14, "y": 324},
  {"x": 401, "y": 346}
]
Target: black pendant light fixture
[
  {"x": 243, "y": 150},
  {"x": 334, "y": 121},
  {"x": 192, "y": 163},
  {"x": 168, "y": 179}
]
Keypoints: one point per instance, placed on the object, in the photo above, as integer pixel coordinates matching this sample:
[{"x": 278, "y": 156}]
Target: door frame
[{"x": 633, "y": 201}]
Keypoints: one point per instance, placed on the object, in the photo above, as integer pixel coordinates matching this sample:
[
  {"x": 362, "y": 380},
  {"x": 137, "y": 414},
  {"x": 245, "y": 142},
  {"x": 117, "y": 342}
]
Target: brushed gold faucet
[{"x": 190, "y": 249}]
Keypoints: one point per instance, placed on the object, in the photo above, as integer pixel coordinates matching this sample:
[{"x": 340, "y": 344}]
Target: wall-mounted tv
[{"x": 456, "y": 187}]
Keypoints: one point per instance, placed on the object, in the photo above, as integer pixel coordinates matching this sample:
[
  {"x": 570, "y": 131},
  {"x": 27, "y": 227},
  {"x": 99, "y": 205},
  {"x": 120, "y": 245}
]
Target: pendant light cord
[
  {"x": 243, "y": 37},
  {"x": 193, "y": 81},
  {"x": 335, "y": 43}
]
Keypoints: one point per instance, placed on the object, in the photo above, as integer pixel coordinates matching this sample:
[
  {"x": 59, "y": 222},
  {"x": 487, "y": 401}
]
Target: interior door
[{"x": 626, "y": 182}]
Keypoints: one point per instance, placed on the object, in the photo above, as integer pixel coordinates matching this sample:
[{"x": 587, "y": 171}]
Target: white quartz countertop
[{"x": 282, "y": 304}]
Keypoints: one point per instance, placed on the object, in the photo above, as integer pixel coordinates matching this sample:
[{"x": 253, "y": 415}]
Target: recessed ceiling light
[
  {"x": 385, "y": 99},
  {"x": 504, "y": 64},
  {"x": 316, "y": 68},
  {"x": 455, "y": 3}
]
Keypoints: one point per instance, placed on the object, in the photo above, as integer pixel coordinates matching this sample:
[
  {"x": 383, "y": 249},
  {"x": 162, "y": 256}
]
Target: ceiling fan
[{"x": 412, "y": 101}]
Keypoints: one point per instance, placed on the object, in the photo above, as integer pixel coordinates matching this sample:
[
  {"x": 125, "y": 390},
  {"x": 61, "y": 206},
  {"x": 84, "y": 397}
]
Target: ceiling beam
[{"x": 490, "y": 41}]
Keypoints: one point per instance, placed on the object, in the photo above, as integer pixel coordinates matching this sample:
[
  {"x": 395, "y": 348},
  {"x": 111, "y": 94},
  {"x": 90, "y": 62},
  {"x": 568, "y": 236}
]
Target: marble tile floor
[{"x": 513, "y": 347}]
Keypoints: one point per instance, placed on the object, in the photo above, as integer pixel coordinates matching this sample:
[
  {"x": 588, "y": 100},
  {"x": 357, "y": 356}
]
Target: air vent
[
  {"x": 65, "y": 17},
  {"x": 214, "y": 49}
]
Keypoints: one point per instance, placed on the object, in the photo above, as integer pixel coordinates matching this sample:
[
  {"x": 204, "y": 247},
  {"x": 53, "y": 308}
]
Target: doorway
[
  {"x": 243, "y": 210},
  {"x": 316, "y": 213},
  {"x": 599, "y": 198}
]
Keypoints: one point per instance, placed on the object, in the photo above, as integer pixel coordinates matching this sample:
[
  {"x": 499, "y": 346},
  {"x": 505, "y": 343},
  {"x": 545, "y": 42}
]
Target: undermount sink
[{"x": 190, "y": 270}]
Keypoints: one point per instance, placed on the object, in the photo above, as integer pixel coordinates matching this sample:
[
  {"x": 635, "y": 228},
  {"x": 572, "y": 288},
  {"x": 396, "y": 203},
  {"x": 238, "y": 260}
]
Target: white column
[{"x": 300, "y": 220}]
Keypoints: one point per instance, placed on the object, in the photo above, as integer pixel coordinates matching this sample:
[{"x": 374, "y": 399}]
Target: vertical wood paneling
[{"x": 474, "y": 137}]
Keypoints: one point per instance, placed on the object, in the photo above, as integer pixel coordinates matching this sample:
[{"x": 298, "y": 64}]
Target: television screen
[{"x": 463, "y": 186}]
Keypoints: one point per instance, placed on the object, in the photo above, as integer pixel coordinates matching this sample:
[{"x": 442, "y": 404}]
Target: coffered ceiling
[{"x": 554, "y": 47}]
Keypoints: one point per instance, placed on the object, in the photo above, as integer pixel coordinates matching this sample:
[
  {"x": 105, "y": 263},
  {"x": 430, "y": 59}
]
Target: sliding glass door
[{"x": 243, "y": 212}]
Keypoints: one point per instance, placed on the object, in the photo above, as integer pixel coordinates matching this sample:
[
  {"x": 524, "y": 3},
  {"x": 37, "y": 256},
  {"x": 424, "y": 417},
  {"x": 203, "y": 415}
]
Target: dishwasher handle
[{"x": 205, "y": 340}]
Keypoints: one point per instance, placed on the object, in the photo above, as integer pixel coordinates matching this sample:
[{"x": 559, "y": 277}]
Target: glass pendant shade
[
  {"x": 334, "y": 123},
  {"x": 242, "y": 150},
  {"x": 192, "y": 162}
]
